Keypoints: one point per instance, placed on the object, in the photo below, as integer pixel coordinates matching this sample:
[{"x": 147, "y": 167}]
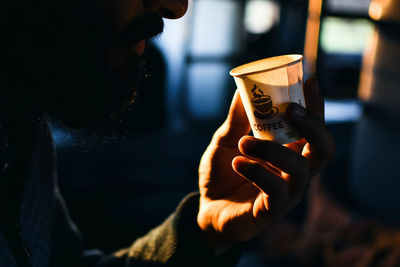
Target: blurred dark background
[{"x": 119, "y": 190}]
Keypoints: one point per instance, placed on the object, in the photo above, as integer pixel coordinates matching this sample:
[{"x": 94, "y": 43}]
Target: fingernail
[{"x": 299, "y": 111}]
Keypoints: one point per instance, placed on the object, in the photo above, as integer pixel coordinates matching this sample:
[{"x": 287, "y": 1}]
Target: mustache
[{"x": 145, "y": 27}]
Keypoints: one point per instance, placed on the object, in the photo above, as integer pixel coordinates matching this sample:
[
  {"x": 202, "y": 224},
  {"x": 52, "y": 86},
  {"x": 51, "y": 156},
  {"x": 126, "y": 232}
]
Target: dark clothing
[{"x": 54, "y": 240}]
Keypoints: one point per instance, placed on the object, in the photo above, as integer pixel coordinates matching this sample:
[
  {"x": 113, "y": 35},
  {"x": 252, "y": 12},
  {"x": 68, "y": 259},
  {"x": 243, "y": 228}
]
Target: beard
[
  {"x": 81, "y": 72},
  {"x": 95, "y": 107}
]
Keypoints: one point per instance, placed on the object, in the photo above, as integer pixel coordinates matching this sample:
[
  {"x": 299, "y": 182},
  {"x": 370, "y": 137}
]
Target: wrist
[{"x": 211, "y": 238}]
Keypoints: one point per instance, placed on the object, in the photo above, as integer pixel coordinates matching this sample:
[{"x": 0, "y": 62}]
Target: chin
[{"x": 94, "y": 124}]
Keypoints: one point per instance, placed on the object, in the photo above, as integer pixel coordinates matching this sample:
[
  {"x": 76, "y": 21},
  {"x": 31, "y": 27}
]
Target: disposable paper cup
[{"x": 267, "y": 87}]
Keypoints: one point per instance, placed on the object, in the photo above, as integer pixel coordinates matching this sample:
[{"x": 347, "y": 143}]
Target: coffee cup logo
[{"x": 263, "y": 104}]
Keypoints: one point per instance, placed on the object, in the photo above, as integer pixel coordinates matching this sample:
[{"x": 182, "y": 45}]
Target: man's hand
[{"x": 246, "y": 184}]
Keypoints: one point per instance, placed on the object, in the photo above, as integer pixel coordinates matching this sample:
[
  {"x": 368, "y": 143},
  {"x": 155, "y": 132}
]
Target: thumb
[{"x": 236, "y": 124}]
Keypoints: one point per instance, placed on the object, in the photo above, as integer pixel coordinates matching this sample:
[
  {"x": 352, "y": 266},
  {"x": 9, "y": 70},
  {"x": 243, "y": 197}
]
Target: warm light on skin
[
  {"x": 377, "y": 7},
  {"x": 367, "y": 73},
  {"x": 312, "y": 35},
  {"x": 121, "y": 253},
  {"x": 298, "y": 146},
  {"x": 375, "y": 10}
]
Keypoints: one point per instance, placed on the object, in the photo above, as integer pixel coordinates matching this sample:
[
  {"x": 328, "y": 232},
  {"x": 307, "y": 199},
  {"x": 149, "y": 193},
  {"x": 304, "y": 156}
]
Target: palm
[{"x": 221, "y": 181}]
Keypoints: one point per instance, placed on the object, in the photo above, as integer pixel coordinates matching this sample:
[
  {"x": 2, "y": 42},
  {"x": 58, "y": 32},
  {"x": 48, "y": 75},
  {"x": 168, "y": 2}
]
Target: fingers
[
  {"x": 310, "y": 124},
  {"x": 314, "y": 98},
  {"x": 281, "y": 157},
  {"x": 321, "y": 145},
  {"x": 297, "y": 146},
  {"x": 293, "y": 164},
  {"x": 236, "y": 124},
  {"x": 267, "y": 181}
]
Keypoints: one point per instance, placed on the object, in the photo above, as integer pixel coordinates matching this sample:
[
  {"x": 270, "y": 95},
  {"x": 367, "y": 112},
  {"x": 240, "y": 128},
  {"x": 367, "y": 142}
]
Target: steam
[{"x": 257, "y": 93}]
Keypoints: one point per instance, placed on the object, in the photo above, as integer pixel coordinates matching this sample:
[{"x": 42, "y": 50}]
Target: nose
[{"x": 170, "y": 9}]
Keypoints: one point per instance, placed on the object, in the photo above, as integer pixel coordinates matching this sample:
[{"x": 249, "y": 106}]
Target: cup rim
[{"x": 250, "y": 68}]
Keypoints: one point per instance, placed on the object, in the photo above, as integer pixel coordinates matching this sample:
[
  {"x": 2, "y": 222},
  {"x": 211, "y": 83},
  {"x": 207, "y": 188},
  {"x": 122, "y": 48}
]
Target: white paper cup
[{"x": 267, "y": 87}]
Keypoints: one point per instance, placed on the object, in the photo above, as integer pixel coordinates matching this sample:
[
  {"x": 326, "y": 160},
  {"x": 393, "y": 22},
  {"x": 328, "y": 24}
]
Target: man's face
[{"x": 79, "y": 60}]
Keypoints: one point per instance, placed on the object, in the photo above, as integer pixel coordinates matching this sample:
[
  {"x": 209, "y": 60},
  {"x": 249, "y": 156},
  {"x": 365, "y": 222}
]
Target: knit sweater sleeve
[{"x": 176, "y": 242}]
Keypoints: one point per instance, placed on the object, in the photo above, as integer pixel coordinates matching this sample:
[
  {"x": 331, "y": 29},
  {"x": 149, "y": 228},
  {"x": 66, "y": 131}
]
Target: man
[{"x": 77, "y": 61}]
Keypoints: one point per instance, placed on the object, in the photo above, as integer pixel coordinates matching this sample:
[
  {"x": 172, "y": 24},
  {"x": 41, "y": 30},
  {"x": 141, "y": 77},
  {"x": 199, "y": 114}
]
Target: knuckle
[
  {"x": 281, "y": 189},
  {"x": 303, "y": 170}
]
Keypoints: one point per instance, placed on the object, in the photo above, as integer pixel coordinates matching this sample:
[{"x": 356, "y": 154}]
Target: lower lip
[{"x": 140, "y": 47}]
